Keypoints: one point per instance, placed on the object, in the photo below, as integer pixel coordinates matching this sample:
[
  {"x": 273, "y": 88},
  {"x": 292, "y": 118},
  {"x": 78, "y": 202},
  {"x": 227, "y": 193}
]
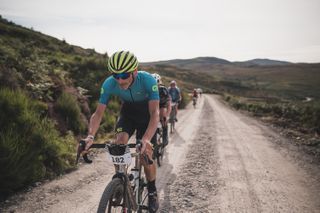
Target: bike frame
[{"x": 133, "y": 189}]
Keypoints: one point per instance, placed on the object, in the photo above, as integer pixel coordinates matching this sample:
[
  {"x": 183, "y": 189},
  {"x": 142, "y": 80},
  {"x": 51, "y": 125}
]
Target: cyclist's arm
[
  {"x": 95, "y": 122},
  {"x": 105, "y": 94},
  {"x": 153, "y": 122},
  {"x": 96, "y": 119}
]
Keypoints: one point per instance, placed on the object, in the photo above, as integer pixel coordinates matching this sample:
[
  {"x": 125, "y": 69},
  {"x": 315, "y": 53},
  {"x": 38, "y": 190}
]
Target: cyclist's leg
[
  {"x": 176, "y": 112},
  {"x": 163, "y": 119},
  {"x": 123, "y": 130},
  {"x": 150, "y": 171}
]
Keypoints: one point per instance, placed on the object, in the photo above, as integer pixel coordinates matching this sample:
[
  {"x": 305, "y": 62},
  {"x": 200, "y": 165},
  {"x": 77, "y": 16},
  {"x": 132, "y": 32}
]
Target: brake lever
[{"x": 147, "y": 159}]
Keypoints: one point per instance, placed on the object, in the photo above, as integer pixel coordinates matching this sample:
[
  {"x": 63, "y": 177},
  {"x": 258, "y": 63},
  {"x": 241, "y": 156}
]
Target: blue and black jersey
[
  {"x": 144, "y": 88},
  {"x": 134, "y": 114}
]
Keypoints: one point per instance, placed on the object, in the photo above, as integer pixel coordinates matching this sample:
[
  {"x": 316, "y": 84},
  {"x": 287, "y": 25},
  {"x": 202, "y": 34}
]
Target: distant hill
[
  {"x": 211, "y": 61},
  {"x": 203, "y": 63},
  {"x": 257, "y": 77},
  {"x": 263, "y": 62}
]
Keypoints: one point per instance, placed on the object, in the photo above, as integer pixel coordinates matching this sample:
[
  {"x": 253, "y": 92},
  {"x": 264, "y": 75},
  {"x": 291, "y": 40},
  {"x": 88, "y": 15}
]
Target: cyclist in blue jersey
[
  {"x": 175, "y": 95},
  {"x": 138, "y": 91}
]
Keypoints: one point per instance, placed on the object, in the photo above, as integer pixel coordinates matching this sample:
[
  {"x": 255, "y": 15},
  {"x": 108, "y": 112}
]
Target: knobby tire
[{"x": 112, "y": 198}]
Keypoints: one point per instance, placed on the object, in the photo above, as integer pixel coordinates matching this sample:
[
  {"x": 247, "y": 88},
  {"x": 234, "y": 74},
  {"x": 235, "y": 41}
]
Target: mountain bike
[
  {"x": 172, "y": 117},
  {"x": 127, "y": 191}
]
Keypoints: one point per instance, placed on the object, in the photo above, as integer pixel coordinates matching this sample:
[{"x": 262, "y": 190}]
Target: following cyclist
[
  {"x": 165, "y": 107},
  {"x": 195, "y": 97},
  {"x": 175, "y": 95},
  {"x": 138, "y": 91}
]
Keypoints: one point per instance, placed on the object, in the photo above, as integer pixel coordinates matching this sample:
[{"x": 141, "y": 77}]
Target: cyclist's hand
[
  {"x": 83, "y": 147},
  {"x": 143, "y": 146},
  {"x": 146, "y": 151},
  {"x": 89, "y": 142}
]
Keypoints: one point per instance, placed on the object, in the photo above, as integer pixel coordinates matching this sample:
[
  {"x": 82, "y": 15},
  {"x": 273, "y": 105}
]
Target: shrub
[
  {"x": 30, "y": 147},
  {"x": 67, "y": 106},
  {"x": 185, "y": 100}
]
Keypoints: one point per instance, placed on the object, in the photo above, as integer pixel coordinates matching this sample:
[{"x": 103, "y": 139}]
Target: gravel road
[{"x": 218, "y": 160}]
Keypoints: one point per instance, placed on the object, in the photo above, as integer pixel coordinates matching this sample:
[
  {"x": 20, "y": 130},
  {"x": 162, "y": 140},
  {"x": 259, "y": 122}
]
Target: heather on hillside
[{"x": 31, "y": 148}]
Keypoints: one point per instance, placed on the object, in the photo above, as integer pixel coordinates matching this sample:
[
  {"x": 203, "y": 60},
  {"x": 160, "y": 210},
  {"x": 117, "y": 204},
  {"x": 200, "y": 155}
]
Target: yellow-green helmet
[{"x": 122, "y": 61}]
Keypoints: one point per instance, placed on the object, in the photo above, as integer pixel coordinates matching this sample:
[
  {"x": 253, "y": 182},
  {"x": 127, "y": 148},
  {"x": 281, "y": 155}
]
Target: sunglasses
[{"x": 123, "y": 76}]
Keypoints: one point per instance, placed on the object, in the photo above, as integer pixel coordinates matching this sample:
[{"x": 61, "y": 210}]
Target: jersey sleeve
[
  {"x": 151, "y": 87},
  {"x": 105, "y": 91}
]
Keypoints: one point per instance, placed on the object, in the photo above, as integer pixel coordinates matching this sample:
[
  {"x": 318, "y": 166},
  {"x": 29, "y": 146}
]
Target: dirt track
[{"x": 218, "y": 160}]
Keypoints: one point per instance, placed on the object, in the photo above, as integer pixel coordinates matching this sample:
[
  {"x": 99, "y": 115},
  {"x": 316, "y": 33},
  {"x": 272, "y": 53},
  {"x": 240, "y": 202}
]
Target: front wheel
[
  {"x": 143, "y": 197},
  {"x": 113, "y": 198}
]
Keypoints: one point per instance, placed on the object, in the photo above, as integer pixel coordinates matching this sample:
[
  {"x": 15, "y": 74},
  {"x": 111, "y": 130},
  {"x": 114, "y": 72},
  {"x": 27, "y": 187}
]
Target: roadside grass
[
  {"x": 301, "y": 116},
  {"x": 30, "y": 146}
]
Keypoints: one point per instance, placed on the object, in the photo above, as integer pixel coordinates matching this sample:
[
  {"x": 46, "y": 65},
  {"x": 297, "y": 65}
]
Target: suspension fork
[{"x": 137, "y": 168}]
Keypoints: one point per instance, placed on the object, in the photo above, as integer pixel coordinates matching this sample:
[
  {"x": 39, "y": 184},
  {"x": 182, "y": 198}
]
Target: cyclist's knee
[{"x": 122, "y": 138}]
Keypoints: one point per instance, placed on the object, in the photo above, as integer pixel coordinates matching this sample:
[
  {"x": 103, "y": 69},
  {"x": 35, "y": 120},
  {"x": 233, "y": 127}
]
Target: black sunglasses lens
[{"x": 121, "y": 75}]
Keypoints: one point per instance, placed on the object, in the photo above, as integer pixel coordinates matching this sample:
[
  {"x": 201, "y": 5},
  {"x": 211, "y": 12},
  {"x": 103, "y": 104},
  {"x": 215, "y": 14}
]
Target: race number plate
[{"x": 120, "y": 159}]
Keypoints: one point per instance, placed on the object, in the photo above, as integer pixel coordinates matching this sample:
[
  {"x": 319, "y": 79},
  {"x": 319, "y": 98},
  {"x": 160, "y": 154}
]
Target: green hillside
[{"x": 48, "y": 90}]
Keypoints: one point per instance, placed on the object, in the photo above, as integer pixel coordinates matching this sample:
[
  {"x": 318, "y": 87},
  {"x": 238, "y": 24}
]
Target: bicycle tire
[
  {"x": 143, "y": 197},
  {"x": 159, "y": 147},
  {"x": 109, "y": 202}
]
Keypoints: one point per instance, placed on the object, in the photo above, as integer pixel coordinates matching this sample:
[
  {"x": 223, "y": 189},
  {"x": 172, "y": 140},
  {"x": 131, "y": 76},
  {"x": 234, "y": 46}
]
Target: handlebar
[{"x": 82, "y": 145}]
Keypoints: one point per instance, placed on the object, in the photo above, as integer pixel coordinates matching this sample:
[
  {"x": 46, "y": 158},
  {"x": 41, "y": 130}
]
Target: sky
[{"x": 235, "y": 30}]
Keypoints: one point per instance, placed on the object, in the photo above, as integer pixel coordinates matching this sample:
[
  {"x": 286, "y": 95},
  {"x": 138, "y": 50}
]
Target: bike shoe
[{"x": 153, "y": 203}]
